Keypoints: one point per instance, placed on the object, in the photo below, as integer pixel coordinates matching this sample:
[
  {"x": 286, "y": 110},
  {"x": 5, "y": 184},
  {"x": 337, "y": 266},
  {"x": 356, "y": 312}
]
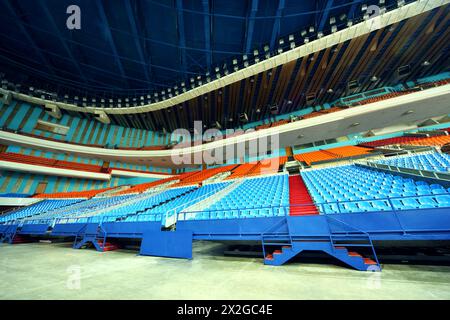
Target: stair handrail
[{"x": 353, "y": 227}]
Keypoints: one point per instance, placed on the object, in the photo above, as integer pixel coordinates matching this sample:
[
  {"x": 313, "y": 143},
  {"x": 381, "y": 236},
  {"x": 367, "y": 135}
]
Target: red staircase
[
  {"x": 108, "y": 245},
  {"x": 299, "y": 195},
  {"x": 18, "y": 239}
]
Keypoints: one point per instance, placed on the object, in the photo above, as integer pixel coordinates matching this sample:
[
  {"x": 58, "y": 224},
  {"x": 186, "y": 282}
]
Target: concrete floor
[{"x": 55, "y": 271}]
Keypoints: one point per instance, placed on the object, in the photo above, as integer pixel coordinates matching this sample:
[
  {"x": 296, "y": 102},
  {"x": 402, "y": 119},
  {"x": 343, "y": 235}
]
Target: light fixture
[
  {"x": 426, "y": 63},
  {"x": 373, "y": 78},
  {"x": 330, "y": 90},
  {"x": 332, "y": 20},
  {"x": 311, "y": 29}
]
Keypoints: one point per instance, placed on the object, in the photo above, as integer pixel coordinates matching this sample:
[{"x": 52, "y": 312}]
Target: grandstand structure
[{"x": 334, "y": 140}]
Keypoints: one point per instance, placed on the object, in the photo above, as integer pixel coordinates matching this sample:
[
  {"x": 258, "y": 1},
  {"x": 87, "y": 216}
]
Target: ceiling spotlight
[
  {"x": 303, "y": 33},
  {"x": 374, "y": 78},
  {"x": 342, "y": 17},
  {"x": 320, "y": 34},
  {"x": 291, "y": 37},
  {"x": 255, "y": 52},
  {"x": 426, "y": 63},
  {"x": 349, "y": 23},
  {"x": 311, "y": 29},
  {"x": 330, "y": 90},
  {"x": 400, "y": 3},
  {"x": 258, "y": 110}
]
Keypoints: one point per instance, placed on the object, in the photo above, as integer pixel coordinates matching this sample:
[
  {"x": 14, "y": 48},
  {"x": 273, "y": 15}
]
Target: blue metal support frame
[
  {"x": 133, "y": 24},
  {"x": 276, "y": 24},
  {"x": 109, "y": 36},
  {"x": 64, "y": 44},
  {"x": 251, "y": 26},
  {"x": 325, "y": 14},
  {"x": 181, "y": 35},
  {"x": 207, "y": 29},
  {"x": 29, "y": 38}
]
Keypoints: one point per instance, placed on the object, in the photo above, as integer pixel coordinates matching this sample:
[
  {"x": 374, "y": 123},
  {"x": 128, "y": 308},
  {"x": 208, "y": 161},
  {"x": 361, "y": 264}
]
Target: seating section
[
  {"x": 138, "y": 205},
  {"x": 145, "y": 186},
  {"x": 357, "y": 189},
  {"x": 380, "y": 98},
  {"x": 41, "y": 207},
  {"x": 437, "y": 141},
  {"x": 321, "y": 112},
  {"x": 39, "y": 161},
  {"x": 254, "y": 198},
  {"x": 330, "y": 154},
  {"x": 435, "y": 161},
  {"x": 200, "y": 176},
  {"x": 388, "y": 142},
  {"x": 84, "y": 208},
  {"x": 189, "y": 198},
  {"x": 242, "y": 170},
  {"x": 73, "y": 194}
]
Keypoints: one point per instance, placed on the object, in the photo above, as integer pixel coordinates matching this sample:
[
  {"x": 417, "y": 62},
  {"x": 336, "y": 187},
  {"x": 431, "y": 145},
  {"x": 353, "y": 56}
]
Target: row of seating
[
  {"x": 438, "y": 141},
  {"x": 355, "y": 189},
  {"x": 175, "y": 206},
  {"x": 202, "y": 175},
  {"x": 40, "y": 207},
  {"x": 254, "y": 197},
  {"x": 86, "y": 207},
  {"x": 388, "y": 142},
  {"x": 138, "y": 205},
  {"x": 40, "y": 161},
  {"x": 330, "y": 154},
  {"x": 434, "y": 161},
  {"x": 73, "y": 194}
]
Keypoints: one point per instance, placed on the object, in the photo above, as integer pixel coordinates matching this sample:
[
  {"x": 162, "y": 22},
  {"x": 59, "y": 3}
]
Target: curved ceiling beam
[{"x": 365, "y": 27}]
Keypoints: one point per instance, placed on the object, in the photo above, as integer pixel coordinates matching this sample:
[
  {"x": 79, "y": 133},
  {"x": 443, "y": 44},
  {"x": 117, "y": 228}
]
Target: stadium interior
[{"x": 260, "y": 141}]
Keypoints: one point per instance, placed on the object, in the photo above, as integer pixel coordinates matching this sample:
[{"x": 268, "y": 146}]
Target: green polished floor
[{"x": 55, "y": 271}]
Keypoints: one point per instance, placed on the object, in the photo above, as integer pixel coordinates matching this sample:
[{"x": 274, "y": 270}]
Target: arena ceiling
[{"x": 131, "y": 48}]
